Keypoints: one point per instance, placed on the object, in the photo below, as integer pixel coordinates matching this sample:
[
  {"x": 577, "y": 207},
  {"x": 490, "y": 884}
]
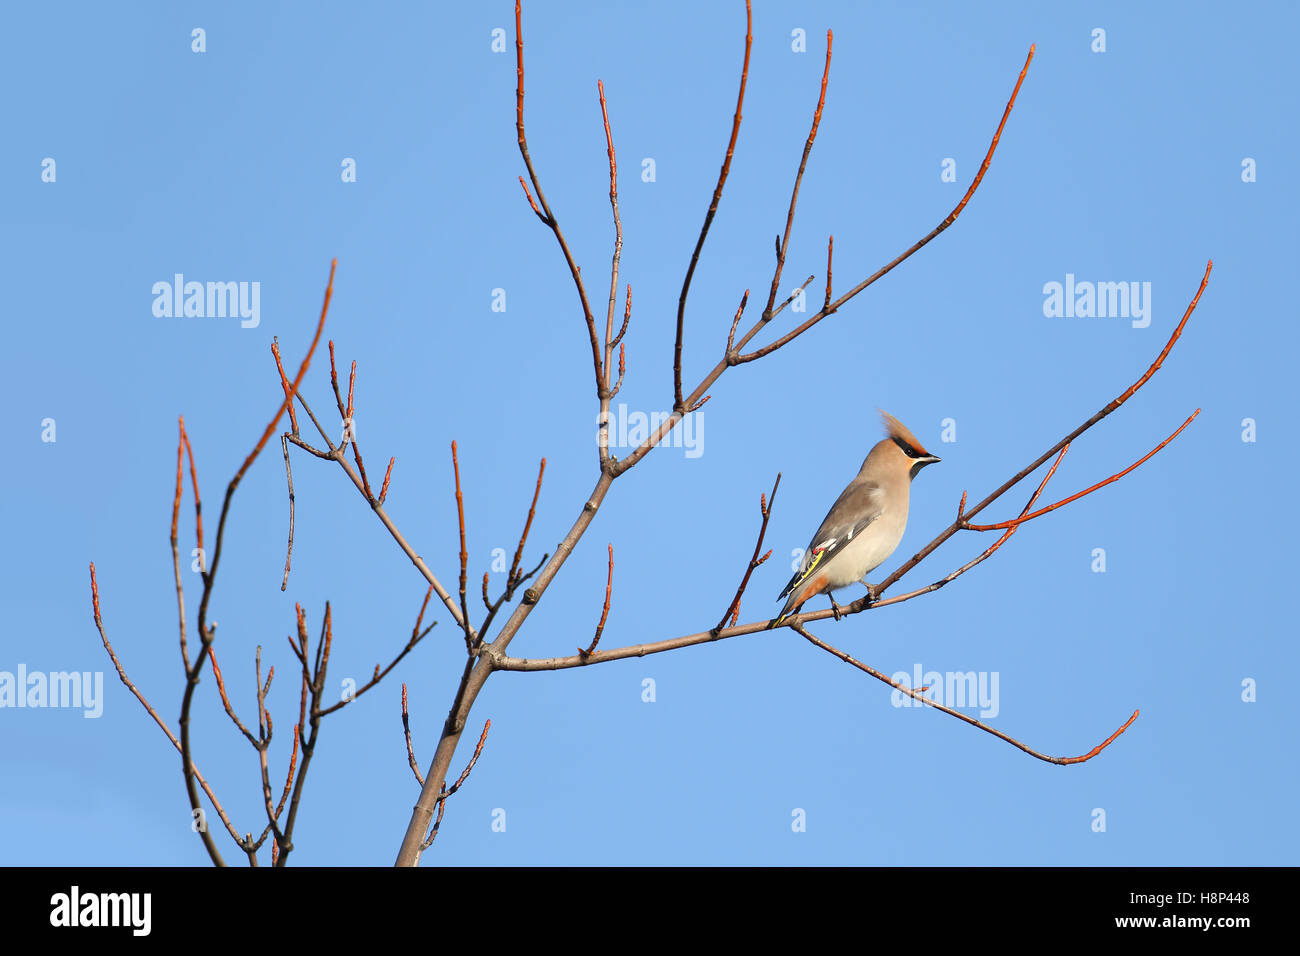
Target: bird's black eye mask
[{"x": 908, "y": 450}]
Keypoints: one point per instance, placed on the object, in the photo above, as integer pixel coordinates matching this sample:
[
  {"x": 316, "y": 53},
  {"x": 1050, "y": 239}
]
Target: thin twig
[
  {"x": 198, "y": 504},
  {"x": 830, "y": 255},
  {"x": 740, "y": 310},
  {"x": 604, "y": 614},
  {"x": 464, "y": 555},
  {"x": 383, "y": 491},
  {"x": 1015, "y": 479},
  {"x": 627, "y": 316},
  {"x": 335, "y": 455},
  {"x": 523, "y": 538},
  {"x": 916, "y": 694},
  {"x": 903, "y": 256},
  {"x": 410, "y": 749},
  {"x": 678, "y": 404},
  {"x": 765, "y": 509},
  {"x": 604, "y": 388},
  {"x": 176, "y": 556},
  {"x": 442, "y": 799},
  {"x": 225, "y": 701},
  {"x": 288, "y": 475},
  {"x": 206, "y": 633},
  {"x": 378, "y": 675},
  {"x": 1015, "y": 522},
  {"x": 783, "y": 243},
  {"x": 734, "y": 357},
  {"x": 284, "y": 383},
  {"x": 546, "y": 214},
  {"x": 127, "y": 682},
  {"x": 505, "y": 662}
]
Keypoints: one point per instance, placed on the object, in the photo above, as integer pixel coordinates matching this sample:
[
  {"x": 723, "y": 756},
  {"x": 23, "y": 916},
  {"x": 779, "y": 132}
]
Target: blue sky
[{"x": 225, "y": 166}]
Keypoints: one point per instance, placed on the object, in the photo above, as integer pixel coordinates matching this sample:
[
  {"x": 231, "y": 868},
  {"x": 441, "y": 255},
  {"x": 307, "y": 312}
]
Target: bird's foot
[
  {"x": 835, "y": 608},
  {"x": 872, "y": 595}
]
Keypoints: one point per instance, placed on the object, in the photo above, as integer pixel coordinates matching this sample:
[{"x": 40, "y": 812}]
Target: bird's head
[{"x": 915, "y": 457}]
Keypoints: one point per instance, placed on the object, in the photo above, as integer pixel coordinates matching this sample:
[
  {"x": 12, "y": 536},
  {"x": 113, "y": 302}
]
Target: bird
[{"x": 865, "y": 524}]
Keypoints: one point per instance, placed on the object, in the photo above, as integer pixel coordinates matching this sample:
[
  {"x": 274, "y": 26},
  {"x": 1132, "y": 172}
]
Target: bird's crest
[{"x": 904, "y": 438}]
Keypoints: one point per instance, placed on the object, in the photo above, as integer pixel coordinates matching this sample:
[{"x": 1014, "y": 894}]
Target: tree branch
[
  {"x": 545, "y": 214},
  {"x": 765, "y": 509},
  {"x": 678, "y": 405},
  {"x": 917, "y": 695}
]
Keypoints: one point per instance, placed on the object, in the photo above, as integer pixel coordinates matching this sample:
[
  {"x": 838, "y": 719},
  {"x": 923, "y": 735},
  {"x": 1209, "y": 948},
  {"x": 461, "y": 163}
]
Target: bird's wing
[{"x": 861, "y": 503}]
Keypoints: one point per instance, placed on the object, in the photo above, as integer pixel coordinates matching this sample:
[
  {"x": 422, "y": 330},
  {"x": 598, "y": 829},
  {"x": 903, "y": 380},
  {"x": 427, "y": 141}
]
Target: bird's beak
[{"x": 919, "y": 463}]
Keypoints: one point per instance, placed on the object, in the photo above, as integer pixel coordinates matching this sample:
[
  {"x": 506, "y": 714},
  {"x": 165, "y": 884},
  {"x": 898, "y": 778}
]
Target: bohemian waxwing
[{"x": 865, "y": 524}]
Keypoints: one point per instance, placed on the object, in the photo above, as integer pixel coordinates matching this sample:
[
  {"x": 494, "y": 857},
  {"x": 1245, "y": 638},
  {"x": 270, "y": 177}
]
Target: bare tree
[{"x": 484, "y": 657}]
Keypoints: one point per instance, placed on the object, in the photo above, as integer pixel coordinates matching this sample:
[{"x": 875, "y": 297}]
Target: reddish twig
[
  {"x": 198, "y": 504},
  {"x": 985, "y": 555},
  {"x": 830, "y": 255},
  {"x": 604, "y": 614},
  {"x": 740, "y": 310},
  {"x": 352, "y": 384},
  {"x": 627, "y": 316},
  {"x": 284, "y": 383},
  {"x": 293, "y": 765},
  {"x": 293, "y": 389},
  {"x": 622, "y": 370},
  {"x": 605, "y": 390},
  {"x": 678, "y": 404},
  {"x": 765, "y": 509},
  {"x": 347, "y": 413},
  {"x": 162, "y": 725},
  {"x": 1016, "y": 522},
  {"x": 334, "y": 384},
  {"x": 464, "y": 555},
  {"x": 180, "y": 477},
  {"x": 410, "y": 749},
  {"x": 225, "y": 701},
  {"x": 206, "y": 633},
  {"x": 902, "y": 257},
  {"x": 383, "y": 490},
  {"x": 735, "y": 357},
  {"x": 916, "y": 694},
  {"x": 506, "y": 662},
  {"x": 379, "y": 673},
  {"x": 335, "y": 455},
  {"x": 1015, "y": 479},
  {"x": 415, "y": 631},
  {"x": 176, "y": 556},
  {"x": 288, "y": 477},
  {"x": 540, "y": 214},
  {"x": 784, "y": 244},
  {"x": 523, "y": 538},
  {"x": 446, "y": 792},
  {"x": 549, "y": 216}
]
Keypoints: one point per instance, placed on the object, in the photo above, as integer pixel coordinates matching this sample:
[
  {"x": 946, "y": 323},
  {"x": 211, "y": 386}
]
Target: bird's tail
[
  {"x": 804, "y": 586},
  {"x": 785, "y": 612},
  {"x": 796, "y": 589}
]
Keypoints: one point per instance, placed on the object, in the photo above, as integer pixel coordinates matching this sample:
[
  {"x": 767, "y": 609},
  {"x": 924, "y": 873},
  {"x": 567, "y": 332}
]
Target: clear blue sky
[{"x": 1116, "y": 166}]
